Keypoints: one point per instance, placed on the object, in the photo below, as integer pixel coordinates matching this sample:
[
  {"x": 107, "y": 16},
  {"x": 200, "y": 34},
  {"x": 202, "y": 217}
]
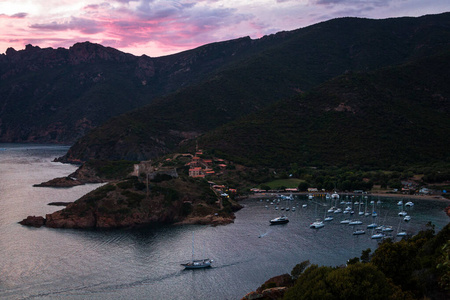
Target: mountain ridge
[
  {"x": 63, "y": 93},
  {"x": 303, "y": 60}
]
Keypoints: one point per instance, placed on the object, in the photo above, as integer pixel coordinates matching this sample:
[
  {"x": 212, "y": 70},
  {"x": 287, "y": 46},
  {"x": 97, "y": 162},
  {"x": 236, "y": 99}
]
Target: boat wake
[{"x": 264, "y": 234}]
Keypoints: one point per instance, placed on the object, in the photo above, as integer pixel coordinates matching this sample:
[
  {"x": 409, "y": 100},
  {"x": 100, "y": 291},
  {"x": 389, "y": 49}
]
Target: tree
[
  {"x": 444, "y": 267},
  {"x": 395, "y": 184},
  {"x": 310, "y": 285},
  {"x": 356, "y": 281},
  {"x": 397, "y": 260},
  {"x": 299, "y": 268},
  {"x": 365, "y": 255},
  {"x": 265, "y": 187},
  {"x": 303, "y": 186}
]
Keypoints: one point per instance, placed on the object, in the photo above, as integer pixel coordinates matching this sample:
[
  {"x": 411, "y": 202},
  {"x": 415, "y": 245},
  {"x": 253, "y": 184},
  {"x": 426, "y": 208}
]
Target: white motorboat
[
  {"x": 317, "y": 224},
  {"x": 279, "y": 220},
  {"x": 407, "y": 218}
]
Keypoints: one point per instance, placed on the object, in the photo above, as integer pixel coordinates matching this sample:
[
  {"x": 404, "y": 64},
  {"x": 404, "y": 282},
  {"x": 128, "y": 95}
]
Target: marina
[{"x": 146, "y": 263}]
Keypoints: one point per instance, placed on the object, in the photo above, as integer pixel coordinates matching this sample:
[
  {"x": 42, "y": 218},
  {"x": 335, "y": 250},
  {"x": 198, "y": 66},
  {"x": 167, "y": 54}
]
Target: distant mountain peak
[{"x": 87, "y": 52}]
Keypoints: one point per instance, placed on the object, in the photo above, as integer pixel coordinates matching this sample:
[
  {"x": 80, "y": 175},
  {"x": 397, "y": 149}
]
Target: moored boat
[
  {"x": 335, "y": 196},
  {"x": 402, "y": 233},
  {"x": 317, "y": 224},
  {"x": 355, "y": 222},
  {"x": 279, "y": 220},
  {"x": 358, "y": 232},
  {"x": 378, "y": 235},
  {"x": 387, "y": 228}
]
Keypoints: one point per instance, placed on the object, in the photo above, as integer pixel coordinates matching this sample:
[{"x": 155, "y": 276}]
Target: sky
[{"x": 162, "y": 27}]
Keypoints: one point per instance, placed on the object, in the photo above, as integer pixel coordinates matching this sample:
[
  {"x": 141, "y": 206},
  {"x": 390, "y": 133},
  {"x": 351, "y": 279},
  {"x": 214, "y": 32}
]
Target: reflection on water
[{"x": 145, "y": 262}]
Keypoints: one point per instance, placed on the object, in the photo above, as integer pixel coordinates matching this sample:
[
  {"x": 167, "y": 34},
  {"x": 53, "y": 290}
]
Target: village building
[{"x": 201, "y": 167}]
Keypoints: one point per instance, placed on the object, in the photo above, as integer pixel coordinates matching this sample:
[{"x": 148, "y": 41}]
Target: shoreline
[{"x": 376, "y": 194}]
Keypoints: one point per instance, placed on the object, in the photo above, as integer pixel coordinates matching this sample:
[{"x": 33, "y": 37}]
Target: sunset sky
[{"x": 161, "y": 27}]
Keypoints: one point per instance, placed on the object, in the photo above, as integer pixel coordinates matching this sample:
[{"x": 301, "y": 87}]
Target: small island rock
[{"x": 33, "y": 221}]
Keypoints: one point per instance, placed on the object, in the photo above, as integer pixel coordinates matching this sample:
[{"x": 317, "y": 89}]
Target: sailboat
[
  {"x": 374, "y": 213},
  {"x": 360, "y": 212},
  {"x": 401, "y": 232},
  {"x": 365, "y": 210},
  {"x": 197, "y": 263},
  {"x": 327, "y": 218}
]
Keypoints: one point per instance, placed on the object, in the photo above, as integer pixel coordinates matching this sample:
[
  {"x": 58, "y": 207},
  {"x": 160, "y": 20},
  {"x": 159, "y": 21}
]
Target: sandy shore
[{"x": 425, "y": 197}]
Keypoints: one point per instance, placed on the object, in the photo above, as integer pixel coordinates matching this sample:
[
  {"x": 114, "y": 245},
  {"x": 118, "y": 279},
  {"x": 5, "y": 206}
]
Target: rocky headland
[
  {"x": 60, "y": 182},
  {"x": 86, "y": 173},
  {"x": 130, "y": 203}
]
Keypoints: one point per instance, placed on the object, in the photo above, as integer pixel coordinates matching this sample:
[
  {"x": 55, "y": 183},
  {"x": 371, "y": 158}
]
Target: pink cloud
[{"x": 168, "y": 26}]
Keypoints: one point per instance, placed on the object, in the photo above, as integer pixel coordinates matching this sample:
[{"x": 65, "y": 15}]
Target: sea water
[{"x": 46, "y": 263}]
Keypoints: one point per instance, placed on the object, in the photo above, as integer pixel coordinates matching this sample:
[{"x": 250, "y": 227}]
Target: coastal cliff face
[{"x": 127, "y": 204}]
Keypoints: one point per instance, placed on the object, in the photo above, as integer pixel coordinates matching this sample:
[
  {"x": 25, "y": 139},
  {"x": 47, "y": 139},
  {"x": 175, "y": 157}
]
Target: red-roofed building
[{"x": 196, "y": 172}]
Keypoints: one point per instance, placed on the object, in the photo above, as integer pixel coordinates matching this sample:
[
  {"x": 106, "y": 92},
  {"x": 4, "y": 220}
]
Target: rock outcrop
[
  {"x": 33, "y": 221},
  {"x": 267, "y": 294},
  {"x": 60, "y": 182},
  {"x": 272, "y": 289},
  {"x": 127, "y": 204}
]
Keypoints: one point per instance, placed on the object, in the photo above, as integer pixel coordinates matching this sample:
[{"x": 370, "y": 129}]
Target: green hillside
[
  {"x": 292, "y": 63},
  {"x": 397, "y": 115}
]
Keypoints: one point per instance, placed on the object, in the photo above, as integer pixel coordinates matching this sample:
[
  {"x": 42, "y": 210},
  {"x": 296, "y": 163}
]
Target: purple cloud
[
  {"x": 353, "y": 2},
  {"x": 83, "y": 25},
  {"x": 20, "y": 15}
]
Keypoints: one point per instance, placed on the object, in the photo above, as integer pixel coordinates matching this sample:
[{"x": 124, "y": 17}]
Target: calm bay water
[{"x": 144, "y": 263}]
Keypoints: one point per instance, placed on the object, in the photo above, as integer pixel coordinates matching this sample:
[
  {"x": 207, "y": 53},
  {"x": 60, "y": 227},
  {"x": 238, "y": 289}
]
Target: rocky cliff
[{"x": 127, "y": 203}]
